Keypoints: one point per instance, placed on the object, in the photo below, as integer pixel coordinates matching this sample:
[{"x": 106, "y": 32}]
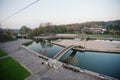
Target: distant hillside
[
  {"x": 108, "y": 25},
  {"x": 112, "y": 27}
]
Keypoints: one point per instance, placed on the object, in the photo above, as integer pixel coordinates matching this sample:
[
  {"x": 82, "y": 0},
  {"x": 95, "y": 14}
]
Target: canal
[{"x": 103, "y": 63}]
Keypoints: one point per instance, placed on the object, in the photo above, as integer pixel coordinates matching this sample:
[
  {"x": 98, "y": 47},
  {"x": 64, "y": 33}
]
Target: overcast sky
[{"x": 57, "y": 12}]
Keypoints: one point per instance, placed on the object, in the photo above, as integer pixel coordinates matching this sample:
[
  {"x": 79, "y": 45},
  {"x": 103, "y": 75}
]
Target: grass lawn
[
  {"x": 105, "y": 36},
  {"x": 12, "y": 70},
  {"x": 2, "y": 53}
]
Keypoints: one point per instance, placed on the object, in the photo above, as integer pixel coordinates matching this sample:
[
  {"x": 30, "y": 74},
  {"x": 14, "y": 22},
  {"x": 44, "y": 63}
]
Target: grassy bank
[
  {"x": 2, "y": 53},
  {"x": 105, "y": 36},
  {"x": 100, "y": 36},
  {"x": 11, "y": 70}
]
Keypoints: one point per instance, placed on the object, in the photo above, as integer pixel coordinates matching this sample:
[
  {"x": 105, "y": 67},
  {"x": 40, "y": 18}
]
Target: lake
[{"x": 104, "y": 63}]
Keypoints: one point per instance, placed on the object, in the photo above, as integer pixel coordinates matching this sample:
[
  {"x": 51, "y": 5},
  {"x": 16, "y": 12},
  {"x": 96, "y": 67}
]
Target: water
[
  {"x": 108, "y": 41},
  {"x": 104, "y": 63},
  {"x": 44, "y": 47}
]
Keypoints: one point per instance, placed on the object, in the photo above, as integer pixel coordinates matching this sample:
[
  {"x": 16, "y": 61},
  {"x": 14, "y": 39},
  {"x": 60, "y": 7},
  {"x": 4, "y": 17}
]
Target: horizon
[
  {"x": 57, "y": 12},
  {"x": 60, "y": 24}
]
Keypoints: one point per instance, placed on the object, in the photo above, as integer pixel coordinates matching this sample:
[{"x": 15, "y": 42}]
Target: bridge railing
[{"x": 62, "y": 51}]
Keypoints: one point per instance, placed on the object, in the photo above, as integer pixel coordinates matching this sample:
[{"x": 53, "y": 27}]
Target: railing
[{"x": 62, "y": 51}]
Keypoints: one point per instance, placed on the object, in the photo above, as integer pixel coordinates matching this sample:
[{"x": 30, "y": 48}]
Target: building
[
  {"x": 93, "y": 30},
  {"x": 23, "y": 36},
  {"x": 97, "y": 30}
]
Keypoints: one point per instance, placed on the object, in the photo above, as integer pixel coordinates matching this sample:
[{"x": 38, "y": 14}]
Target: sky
[{"x": 57, "y": 12}]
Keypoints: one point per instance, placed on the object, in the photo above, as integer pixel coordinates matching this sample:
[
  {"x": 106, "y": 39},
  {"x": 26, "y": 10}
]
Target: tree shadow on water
[{"x": 72, "y": 59}]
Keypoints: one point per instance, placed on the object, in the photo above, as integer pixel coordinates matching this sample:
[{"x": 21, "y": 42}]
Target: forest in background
[{"x": 111, "y": 26}]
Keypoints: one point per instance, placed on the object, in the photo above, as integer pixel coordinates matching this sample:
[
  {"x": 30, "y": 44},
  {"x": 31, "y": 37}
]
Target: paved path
[
  {"x": 4, "y": 57},
  {"x": 34, "y": 65},
  {"x": 91, "y": 45}
]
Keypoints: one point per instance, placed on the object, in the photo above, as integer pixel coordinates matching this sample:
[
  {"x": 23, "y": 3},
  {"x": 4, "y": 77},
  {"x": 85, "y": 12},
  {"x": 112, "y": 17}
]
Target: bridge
[
  {"x": 62, "y": 52},
  {"x": 54, "y": 62}
]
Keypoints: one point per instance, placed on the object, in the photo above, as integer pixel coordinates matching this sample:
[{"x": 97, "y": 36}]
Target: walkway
[
  {"x": 62, "y": 52},
  {"x": 91, "y": 45},
  {"x": 4, "y": 57}
]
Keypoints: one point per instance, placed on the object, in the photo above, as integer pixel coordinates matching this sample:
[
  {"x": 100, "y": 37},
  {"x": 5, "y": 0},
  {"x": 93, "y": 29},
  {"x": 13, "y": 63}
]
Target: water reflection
[
  {"x": 44, "y": 47},
  {"x": 72, "y": 59},
  {"x": 44, "y": 42}
]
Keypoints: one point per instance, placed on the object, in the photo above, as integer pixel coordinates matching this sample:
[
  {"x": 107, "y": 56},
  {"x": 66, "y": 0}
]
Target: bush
[{"x": 4, "y": 38}]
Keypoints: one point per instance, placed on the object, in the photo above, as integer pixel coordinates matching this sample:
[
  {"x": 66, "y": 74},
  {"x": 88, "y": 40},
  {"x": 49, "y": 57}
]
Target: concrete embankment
[{"x": 91, "y": 45}]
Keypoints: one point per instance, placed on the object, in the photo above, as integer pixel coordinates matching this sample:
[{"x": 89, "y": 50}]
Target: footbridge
[{"x": 63, "y": 51}]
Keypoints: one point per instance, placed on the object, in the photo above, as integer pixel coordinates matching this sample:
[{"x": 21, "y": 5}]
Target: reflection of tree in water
[
  {"x": 72, "y": 59},
  {"x": 44, "y": 42},
  {"x": 49, "y": 44},
  {"x": 36, "y": 40}
]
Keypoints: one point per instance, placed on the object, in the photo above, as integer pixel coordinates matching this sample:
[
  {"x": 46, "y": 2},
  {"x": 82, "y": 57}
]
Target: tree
[
  {"x": 48, "y": 27},
  {"x": 112, "y": 31},
  {"x": 87, "y": 31},
  {"x": 6, "y": 35},
  {"x": 25, "y": 30},
  {"x": 35, "y": 32}
]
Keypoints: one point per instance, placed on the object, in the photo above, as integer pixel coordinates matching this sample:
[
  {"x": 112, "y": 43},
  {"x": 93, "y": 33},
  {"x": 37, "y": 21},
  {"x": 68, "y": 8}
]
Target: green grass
[
  {"x": 12, "y": 70},
  {"x": 105, "y": 36},
  {"x": 2, "y": 53}
]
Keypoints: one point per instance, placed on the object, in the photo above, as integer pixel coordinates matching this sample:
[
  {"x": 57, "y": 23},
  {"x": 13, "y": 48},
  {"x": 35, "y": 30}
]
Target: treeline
[
  {"x": 53, "y": 29},
  {"x": 46, "y": 28},
  {"x": 6, "y": 35},
  {"x": 95, "y": 24}
]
